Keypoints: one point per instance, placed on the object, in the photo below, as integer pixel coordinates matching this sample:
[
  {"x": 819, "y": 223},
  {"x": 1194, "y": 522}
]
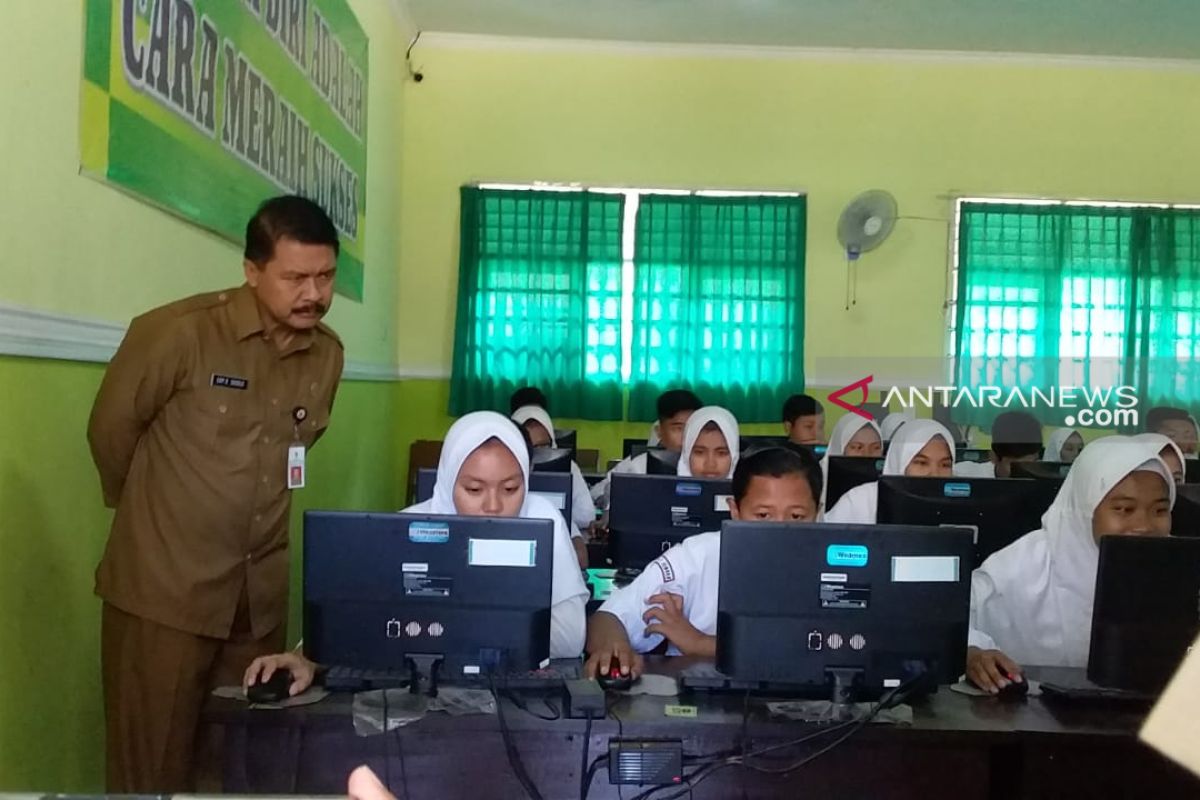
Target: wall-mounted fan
[{"x": 862, "y": 227}]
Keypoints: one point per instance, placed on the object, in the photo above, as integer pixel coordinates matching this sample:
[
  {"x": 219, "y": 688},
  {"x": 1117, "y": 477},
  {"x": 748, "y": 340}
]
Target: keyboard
[{"x": 552, "y": 678}]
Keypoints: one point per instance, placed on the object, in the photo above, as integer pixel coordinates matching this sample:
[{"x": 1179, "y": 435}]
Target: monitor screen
[
  {"x": 550, "y": 459},
  {"x": 649, "y": 514},
  {"x": 846, "y": 472}
]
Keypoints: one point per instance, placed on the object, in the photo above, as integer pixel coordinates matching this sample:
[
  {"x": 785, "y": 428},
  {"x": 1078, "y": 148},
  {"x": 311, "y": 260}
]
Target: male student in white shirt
[
  {"x": 675, "y": 408},
  {"x": 1016, "y": 436},
  {"x": 675, "y": 596}
]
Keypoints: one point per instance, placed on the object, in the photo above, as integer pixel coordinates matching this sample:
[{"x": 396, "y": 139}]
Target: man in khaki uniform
[{"x": 192, "y": 433}]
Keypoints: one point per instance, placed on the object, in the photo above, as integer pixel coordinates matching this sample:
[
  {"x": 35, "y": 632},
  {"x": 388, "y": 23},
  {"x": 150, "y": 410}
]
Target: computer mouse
[
  {"x": 613, "y": 679},
  {"x": 1016, "y": 690},
  {"x": 271, "y": 691}
]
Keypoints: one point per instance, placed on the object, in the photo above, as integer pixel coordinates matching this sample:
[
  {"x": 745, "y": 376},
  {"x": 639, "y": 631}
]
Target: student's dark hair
[
  {"x": 1016, "y": 434},
  {"x": 1160, "y": 415},
  {"x": 775, "y": 462},
  {"x": 287, "y": 217},
  {"x": 527, "y": 396},
  {"x": 801, "y": 405},
  {"x": 672, "y": 402}
]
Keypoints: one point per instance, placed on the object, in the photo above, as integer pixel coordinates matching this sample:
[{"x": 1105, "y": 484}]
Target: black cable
[
  {"x": 510, "y": 748},
  {"x": 520, "y": 704},
  {"x": 387, "y": 758},
  {"x": 584, "y": 782}
]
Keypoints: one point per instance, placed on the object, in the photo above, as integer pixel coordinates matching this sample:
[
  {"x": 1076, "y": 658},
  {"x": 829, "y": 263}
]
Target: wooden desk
[{"x": 957, "y": 747}]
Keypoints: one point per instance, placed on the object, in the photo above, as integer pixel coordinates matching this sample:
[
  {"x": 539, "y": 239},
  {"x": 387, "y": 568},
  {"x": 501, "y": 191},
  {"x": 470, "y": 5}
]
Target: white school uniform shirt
[
  {"x": 843, "y": 431},
  {"x": 583, "y": 510},
  {"x": 975, "y": 469},
  {"x": 859, "y": 505},
  {"x": 695, "y": 425},
  {"x": 568, "y": 593},
  {"x": 1055, "y": 442},
  {"x": 1033, "y": 599},
  {"x": 690, "y": 569}
]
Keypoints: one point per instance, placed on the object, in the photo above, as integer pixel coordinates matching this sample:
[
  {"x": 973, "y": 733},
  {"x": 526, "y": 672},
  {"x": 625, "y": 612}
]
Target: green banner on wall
[{"x": 206, "y": 108}]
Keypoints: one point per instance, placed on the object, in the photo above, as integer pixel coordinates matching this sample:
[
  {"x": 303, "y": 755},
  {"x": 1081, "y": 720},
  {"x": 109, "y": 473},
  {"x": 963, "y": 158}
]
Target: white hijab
[
  {"x": 843, "y": 431},
  {"x": 1157, "y": 442},
  {"x": 1055, "y": 443},
  {"x": 568, "y": 593},
  {"x": 861, "y": 504},
  {"x": 1033, "y": 599},
  {"x": 655, "y": 437},
  {"x": 539, "y": 415},
  {"x": 892, "y": 422},
  {"x": 696, "y": 423}
]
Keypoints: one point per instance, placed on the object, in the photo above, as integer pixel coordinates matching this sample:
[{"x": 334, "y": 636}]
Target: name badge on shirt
[
  {"x": 229, "y": 382},
  {"x": 295, "y": 467}
]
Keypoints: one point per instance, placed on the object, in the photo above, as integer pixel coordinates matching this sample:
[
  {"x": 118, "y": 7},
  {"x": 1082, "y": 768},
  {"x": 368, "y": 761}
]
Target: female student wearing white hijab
[
  {"x": 1031, "y": 603},
  {"x": 921, "y": 448},
  {"x": 1166, "y": 449},
  {"x": 893, "y": 422},
  {"x": 536, "y": 420},
  {"x": 852, "y": 436},
  {"x": 1063, "y": 445},
  {"x": 484, "y": 472},
  {"x": 711, "y": 444}
]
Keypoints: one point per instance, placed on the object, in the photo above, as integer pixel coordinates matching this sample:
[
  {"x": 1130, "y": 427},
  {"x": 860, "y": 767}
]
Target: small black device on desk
[{"x": 275, "y": 689}]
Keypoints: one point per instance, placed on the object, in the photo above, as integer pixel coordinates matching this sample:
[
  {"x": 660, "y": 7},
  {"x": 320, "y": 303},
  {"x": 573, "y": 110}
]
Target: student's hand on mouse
[
  {"x": 667, "y": 619},
  {"x": 364, "y": 785},
  {"x": 622, "y": 653},
  {"x": 989, "y": 669},
  {"x": 262, "y": 668}
]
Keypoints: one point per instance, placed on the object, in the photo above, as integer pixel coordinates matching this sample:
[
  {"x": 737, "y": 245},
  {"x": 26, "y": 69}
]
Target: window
[
  {"x": 1076, "y": 294},
  {"x": 588, "y": 293}
]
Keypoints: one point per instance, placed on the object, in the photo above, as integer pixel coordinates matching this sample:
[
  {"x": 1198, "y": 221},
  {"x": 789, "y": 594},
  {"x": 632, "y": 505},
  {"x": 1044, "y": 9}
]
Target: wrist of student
[{"x": 698, "y": 644}]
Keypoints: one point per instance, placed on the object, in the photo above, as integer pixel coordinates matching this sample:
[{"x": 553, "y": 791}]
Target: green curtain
[
  {"x": 718, "y": 302},
  {"x": 539, "y": 301},
  {"x": 1084, "y": 296}
]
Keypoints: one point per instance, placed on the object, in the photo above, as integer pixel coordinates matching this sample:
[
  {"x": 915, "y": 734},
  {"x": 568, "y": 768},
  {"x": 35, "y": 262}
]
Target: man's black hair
[
  {"x": 287, "y": 217},
  {"x": 775, "y": 462},
  {"x": 801, "y": 405},
  {"x": 1016, "y": 434},
  {"x": 1160, "y": 415},
  {"x": 672, "y": 402},
  {"x": 527, "y": 396}
]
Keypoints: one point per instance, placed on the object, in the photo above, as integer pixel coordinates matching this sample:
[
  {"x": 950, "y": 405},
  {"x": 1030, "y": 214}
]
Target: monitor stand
[
  {"x": 843, "y": 681},
  {"x": 423, "y": 672}
]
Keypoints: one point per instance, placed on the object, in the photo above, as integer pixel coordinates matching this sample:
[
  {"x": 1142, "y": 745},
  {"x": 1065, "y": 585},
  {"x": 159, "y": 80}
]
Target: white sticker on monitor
[
  {"x": 834, "y": 577},
  {"x": 925, "y": 569},
  {"x": 413, "y": 566},
  {"x": 557, "y": 499},
  {"x": 721, "y": 502},
  {"x": 470, "y": 669},
  {"x": 501, "y": 552}
]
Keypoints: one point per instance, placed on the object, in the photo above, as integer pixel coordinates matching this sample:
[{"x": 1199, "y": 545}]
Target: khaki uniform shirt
[{"x": 190, "y": 433}]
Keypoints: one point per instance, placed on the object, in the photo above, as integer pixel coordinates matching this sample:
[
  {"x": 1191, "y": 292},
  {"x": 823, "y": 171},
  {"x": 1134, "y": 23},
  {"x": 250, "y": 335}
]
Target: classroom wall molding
[
  {"x": 35, "y": 333},
  {"x": 476, "y": 41}
]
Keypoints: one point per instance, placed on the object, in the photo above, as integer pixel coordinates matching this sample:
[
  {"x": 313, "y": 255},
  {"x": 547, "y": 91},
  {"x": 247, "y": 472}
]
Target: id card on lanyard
[{"x": 296, "y": 453}]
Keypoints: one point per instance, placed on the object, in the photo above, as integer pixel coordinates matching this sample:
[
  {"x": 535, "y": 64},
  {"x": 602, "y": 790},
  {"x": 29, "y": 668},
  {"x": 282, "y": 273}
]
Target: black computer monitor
[
  {"x": 1185, "y": 516},
  {"x": 973, "y": 454},
  {"x": 551, "y": 459},
  {"x": 554, "y": 486},
  {"x": 852, "y": 610},
  {"x": 565, "y": 438},
  {"x": 1145, "y": 615},
  {"x": 662, "y": 462},
  {"x": 846, "y": 472},
  {"x": 448, "y": 598},
  {"x": 749, "y": 443},
  {"x": 998, "y": 510},
  {"x": 1191, "y": 470},
  {"x": 1055, "y": 470},
  {"x": 630, "y": 447},
  {"x": 650, "y": 514}
]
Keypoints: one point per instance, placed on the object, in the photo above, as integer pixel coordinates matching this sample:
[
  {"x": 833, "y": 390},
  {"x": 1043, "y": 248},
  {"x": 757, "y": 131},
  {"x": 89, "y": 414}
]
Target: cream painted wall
[
  {"x": 72, "y": 245},
  {"x": 923, "y": 129}
]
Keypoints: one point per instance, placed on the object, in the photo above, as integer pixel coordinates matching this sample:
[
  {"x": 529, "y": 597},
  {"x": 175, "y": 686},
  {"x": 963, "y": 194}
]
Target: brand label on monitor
[
  {"x": 414, "y": 566},
  {"x": 956, "y": 490},
  {"x": 688, "y": 489},
  {"x": 429, "y": 532},
  {"x": 422, "y": 585},
  {"x": 846, "y": 555},
  {"x": 834, "y": 577},
  {"x": 855, "y": 596}
]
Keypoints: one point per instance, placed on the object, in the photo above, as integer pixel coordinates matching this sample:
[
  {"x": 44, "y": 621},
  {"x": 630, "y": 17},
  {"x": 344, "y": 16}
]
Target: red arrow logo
[{"x": 836, "y": 396}]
